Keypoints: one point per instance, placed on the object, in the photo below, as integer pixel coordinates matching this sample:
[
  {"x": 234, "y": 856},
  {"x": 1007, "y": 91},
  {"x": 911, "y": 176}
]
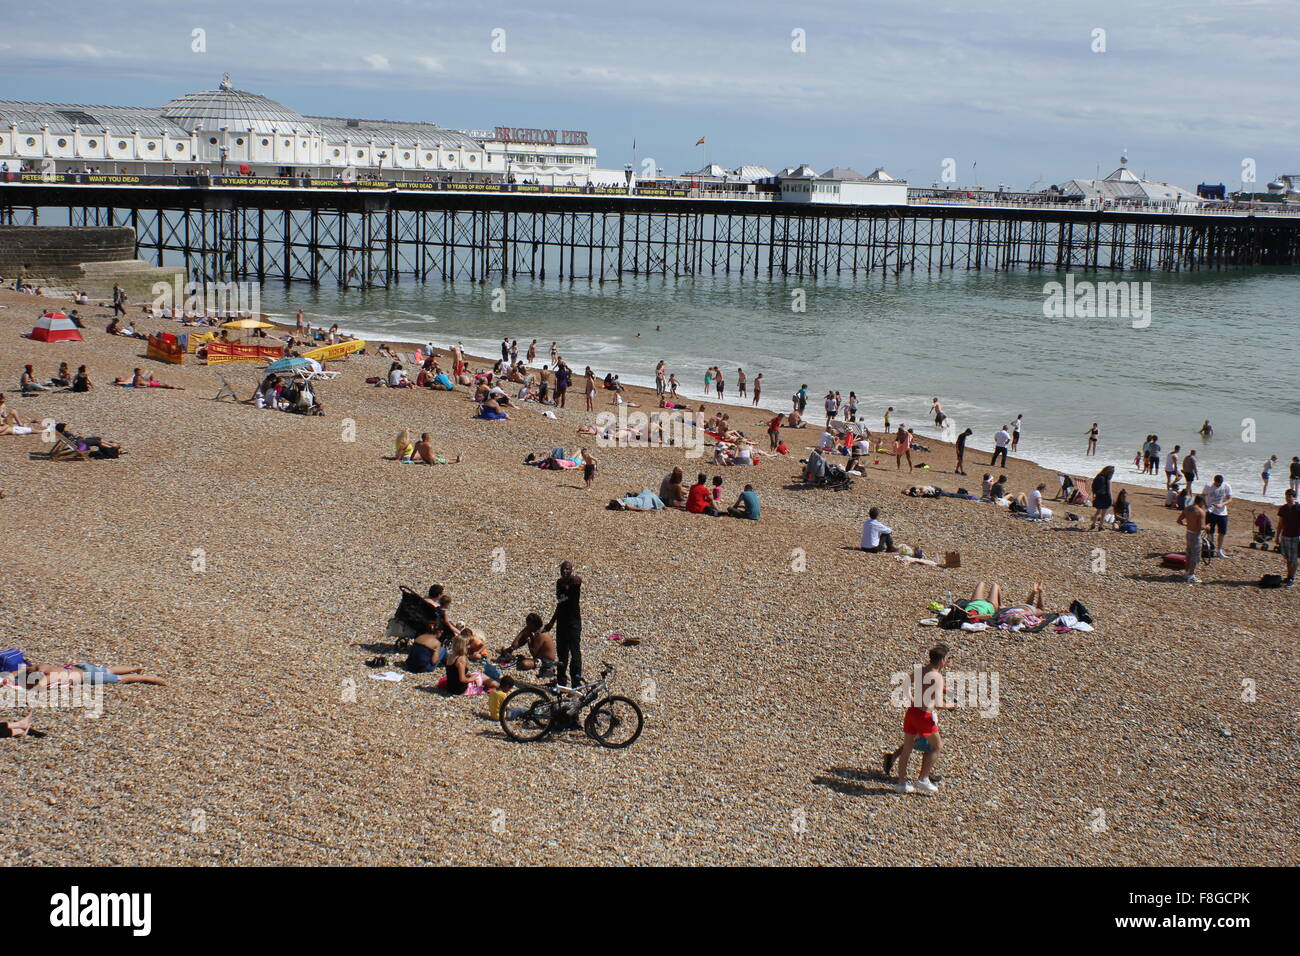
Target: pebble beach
[{"x": 252, "y": 559}]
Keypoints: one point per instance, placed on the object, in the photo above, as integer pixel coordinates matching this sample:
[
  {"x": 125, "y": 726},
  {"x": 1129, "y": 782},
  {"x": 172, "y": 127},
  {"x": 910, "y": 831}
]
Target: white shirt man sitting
[
  {"x": 876, "y": 535},
  {"x": 1034, "y": 505}
]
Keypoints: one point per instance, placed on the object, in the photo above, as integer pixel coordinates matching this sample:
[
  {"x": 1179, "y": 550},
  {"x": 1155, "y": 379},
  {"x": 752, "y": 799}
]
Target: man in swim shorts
[{"x": 920, "y": 721}]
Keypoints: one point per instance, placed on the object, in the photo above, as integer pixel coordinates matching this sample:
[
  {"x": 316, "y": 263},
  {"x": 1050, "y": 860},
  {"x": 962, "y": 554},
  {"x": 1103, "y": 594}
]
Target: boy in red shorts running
[{"x": 921, "y": 724}]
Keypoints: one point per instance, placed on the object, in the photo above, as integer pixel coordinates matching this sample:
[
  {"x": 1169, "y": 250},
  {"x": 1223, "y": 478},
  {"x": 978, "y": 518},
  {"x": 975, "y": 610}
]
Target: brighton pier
[
  {"x": 372, "y": 233},
  {"x": 367, "y": 203}
]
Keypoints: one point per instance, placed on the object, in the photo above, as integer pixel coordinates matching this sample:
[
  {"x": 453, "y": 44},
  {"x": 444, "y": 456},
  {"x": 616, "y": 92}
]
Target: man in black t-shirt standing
[
  {"x": 1288, "y": 536},
  {"x": 567, "y": 621}
]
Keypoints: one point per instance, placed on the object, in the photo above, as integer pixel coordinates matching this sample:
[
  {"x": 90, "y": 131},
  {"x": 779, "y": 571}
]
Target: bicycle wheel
[
  {"x": 614, "y": 722},
  {"x": 527, "y": 714}
]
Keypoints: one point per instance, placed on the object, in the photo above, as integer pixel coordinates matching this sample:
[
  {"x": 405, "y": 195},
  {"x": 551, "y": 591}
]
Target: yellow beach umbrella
[{"x": 247, "y": 324}]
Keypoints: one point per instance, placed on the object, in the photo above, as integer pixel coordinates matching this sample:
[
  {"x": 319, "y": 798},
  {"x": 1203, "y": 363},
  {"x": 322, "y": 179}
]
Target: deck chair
[
  {"x": 226, "y": 392},
  {"x": 65, "y": 450},
  {"x": 312, "y": 375}
]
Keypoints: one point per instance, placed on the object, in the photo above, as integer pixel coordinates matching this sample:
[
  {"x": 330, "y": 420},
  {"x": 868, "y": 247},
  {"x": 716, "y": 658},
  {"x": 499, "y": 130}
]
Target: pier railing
[
  {"x": 644, "y": 190},
  {"x": 1211, "y": 208}
]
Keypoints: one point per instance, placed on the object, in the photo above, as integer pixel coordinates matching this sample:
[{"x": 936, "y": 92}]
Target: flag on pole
[{"x": 700, "y": 141}]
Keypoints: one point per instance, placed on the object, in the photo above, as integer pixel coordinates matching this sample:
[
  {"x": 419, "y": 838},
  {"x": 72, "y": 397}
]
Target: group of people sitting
[
  {"x": 435, "y": 641},
  {"x": 115, "y": 327},
  {"x": 430, "y": 375},
  {"x": 63, "y": 379},
  {"x": 287, "y": 395},
  {"x": 421, "y": 452},
  {"x": 1108, "y": 510},
  {"x": 703, "y": 497}
]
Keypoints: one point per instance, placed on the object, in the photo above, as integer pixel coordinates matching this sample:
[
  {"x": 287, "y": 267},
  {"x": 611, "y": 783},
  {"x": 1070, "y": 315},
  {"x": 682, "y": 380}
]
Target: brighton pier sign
[{"x": 553, "y": 137}]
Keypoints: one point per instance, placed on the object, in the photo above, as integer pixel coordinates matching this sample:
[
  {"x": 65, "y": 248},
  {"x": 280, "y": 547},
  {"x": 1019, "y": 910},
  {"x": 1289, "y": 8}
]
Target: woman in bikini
[
  {"x": 137, "y": 380},
  {"x": 990, "y": 598}
]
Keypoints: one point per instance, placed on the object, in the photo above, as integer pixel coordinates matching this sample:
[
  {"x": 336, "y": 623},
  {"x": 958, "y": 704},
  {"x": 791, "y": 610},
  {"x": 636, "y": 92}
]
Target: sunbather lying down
[
  {"x": 16, "y": 728},
  {"x": 138, "y": 380},
  {"x": 1027, "y": 612},
  {"x": 610, "y": 433},
  {"x": 647, "y": 500},
  {"x": 41, "y": 676},
  {"x": 13, "y": 428},
  {"x": 96, "y": 446}
]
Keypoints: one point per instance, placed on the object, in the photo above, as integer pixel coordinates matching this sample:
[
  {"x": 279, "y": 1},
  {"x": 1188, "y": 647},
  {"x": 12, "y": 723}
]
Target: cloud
[{"x": 1018, "y": 85}]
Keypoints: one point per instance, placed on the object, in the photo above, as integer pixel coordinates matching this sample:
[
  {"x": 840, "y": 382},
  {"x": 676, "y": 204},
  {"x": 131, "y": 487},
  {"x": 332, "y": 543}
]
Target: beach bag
[
  {"x": 953, "y": 618},
  {"x": 1207, "y": 547},
  {"x": 1078, "y": 609},
  {"x": 1271, "y": 581},
  {"x": 1129, "y": 527},
  {"x": 12, "y": 660}
]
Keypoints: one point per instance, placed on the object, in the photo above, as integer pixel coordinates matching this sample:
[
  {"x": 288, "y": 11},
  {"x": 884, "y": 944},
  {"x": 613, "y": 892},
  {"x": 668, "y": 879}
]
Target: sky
[{"x": 1012, "y": 93}]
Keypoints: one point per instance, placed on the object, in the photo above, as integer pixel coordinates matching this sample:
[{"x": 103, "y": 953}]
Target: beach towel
[
  {"x": 473, "y": 686},
  {"x": 647, "y": 500}
]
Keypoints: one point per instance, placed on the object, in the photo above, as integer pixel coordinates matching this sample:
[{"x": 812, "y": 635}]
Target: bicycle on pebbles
[{"x": 532, "y": 711}]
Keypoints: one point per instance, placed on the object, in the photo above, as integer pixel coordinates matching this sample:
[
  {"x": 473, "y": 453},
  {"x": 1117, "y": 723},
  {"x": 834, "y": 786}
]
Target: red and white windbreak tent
[{"x": 55, "y": 327}]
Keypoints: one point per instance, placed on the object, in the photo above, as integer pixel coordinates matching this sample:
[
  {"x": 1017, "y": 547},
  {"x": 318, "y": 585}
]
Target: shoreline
[{"x": 1046, "y": 462}]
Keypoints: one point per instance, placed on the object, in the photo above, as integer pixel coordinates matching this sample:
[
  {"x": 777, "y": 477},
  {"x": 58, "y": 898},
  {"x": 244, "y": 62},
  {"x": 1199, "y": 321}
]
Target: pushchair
[
  {"x": 829, "y": 476},
  {"x": 409, "y": 621}
]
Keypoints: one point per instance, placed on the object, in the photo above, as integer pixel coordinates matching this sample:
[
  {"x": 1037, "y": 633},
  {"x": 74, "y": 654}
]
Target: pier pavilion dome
[{"x": 234, "y": 110}]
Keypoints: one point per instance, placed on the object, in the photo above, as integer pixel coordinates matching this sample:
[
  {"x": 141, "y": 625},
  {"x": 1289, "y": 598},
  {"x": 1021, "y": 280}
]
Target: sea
[{"x": 1222, "y": 347}]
